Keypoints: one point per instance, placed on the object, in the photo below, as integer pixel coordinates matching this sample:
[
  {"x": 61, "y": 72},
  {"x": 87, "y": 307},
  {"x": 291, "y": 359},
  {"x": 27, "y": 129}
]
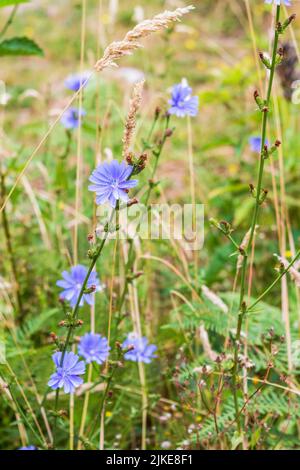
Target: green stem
[
  {"x": 9, "y": 21},
  {"x": 130, "y": 260},
  {"x": 91, "y": 267},
  {"x": 10, "y": 250},
  {"x": 146, "y": 144},
  {"x": 103, "y": 401},
  {"x": 278, "y": 278},
  {"x": 23, "y": 415},
  {"x": 254, "y": 219},
  {"x": 75, "y": 310}
]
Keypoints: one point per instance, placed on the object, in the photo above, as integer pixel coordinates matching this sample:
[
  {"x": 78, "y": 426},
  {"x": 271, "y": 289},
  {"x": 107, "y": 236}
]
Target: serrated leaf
[
  {"x": 20, "y": 46},
  {"x": 5, "y": 3}
]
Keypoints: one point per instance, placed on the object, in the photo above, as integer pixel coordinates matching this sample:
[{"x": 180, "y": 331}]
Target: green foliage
[
  {"x": 5, "y": 3},
  {"x": 24, "y": 334},
  {"x": 20, "y": 46},
  {"x": 183, "y": 382}
]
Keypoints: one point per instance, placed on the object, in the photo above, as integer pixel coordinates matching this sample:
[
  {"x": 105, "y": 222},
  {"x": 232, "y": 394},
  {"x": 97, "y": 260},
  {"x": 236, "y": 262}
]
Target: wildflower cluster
[{"x": 111, "y": 182}]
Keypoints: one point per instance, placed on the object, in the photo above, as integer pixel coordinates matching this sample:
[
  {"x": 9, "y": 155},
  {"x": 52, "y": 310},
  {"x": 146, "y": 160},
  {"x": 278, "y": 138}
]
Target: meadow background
[{"x": 167, "y": 403}]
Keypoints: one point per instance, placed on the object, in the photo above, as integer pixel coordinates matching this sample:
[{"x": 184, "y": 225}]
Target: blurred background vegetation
[{"x": 213, "y": 48}]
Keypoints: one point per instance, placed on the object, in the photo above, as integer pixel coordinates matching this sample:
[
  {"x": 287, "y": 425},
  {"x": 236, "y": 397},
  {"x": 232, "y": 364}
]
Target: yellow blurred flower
[
  {"x": 105, "y": 19},
  {"x": 190, "y": 44},
  {"x": 288, "y": 254},
  {"x": 233, "y": 169},
  {"x": 108, "y": 414}
]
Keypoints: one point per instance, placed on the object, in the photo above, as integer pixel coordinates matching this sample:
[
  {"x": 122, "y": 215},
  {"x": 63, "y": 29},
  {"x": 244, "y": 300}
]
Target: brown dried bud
[
  {"x": 132, "y": 202},
  {"x": 137, "y": 274},
  {"x": 242, "y": 250},
  {"x": 143, "y": 157},
  {"x": 157, "y": 112},
  {"x": 225, "y": 223},
  {"x": 168, "y": 132},
  {"x": 129, "y": 159},
  {"x": 280, "y": 52}
]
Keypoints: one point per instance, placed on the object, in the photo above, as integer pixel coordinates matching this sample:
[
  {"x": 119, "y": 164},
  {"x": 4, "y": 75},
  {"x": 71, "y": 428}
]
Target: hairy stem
[
  {"x": 254, "y": 219},
  {"x": 75, "y": 310}
]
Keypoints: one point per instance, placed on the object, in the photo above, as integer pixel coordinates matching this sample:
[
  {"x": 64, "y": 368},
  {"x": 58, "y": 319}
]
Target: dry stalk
[
  {"x": 130, "y": 43},
  {"x": 130, "y": 123}
]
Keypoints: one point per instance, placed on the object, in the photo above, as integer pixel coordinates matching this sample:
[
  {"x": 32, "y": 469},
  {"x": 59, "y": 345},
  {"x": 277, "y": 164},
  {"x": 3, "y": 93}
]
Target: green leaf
[
  {"x": 20, "y": 46},
  {"x": 236, "y": 441},
  {"x": 5, "y": 3}
]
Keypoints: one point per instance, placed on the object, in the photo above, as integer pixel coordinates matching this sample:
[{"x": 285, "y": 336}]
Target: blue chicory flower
[
  {"x": 93, "y": 348},
  {"x": 27, "y": 448},
  {"x": 142, "y": 352},
  {"x": 73, "y": 82},
  {"x": 70, "y": 118},
  {"x": 72, "y": 283},
  {"x": 255, "y": 144},
  {"x": 111, "y": 182},
  {"x": 182, "y": 102},
  {"x": 66, "y": 374},
  {"x": 287, "y": 3}
]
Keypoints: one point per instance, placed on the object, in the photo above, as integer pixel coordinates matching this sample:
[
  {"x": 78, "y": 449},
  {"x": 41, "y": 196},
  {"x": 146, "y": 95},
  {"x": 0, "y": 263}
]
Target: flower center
[
  {"x": 64, "y": 374},
  {"x": 114, "y": 184}
]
